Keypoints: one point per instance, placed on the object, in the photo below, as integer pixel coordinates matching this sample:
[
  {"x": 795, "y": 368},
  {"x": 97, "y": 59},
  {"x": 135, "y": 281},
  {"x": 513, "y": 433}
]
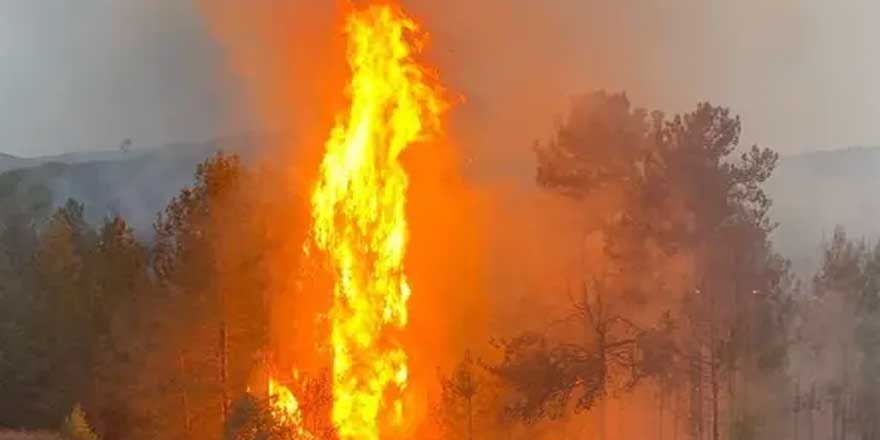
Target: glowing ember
[{"x": 359, "y": 214}]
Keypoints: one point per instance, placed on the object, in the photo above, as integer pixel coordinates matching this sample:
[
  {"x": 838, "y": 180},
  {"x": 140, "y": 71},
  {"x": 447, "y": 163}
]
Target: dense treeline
[
  {"x": 160, "y": 339},
  {"x": 152, "y": 340}
]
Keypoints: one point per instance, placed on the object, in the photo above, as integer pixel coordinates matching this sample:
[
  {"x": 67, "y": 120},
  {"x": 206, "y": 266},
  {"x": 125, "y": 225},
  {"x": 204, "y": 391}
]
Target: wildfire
[
  {"x": 359, "y": 215},
  {"x": 360, "y": 223}
]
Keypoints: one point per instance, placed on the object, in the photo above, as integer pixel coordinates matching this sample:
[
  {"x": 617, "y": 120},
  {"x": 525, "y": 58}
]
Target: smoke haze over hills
[{"x": 87, "y": 74}]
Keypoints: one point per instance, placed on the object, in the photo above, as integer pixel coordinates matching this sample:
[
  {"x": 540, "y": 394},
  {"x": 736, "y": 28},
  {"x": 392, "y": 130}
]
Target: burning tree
[{"x": 359, "y": 214}]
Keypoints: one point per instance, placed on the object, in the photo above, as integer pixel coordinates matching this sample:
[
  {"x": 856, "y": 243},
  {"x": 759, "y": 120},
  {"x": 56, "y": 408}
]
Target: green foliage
[
  {"x": 76, "y": 427},
  {"x": 63, "y": 326},
  {"x": 25, "y": 192},
  {"x": 130, "y": 330}
]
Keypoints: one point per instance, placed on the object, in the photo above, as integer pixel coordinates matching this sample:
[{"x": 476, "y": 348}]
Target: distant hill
[
  {"x": 814, "y": 192},
  {"x": 136, "y": 185},
  {"x": 10, "y": 162}
]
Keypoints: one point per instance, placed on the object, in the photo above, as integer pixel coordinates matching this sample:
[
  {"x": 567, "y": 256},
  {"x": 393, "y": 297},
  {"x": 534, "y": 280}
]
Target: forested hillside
[{"x": 136, "y": 184}]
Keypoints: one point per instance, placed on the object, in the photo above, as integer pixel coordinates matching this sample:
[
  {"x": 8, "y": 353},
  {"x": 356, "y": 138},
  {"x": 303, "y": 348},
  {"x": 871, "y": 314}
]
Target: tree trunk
[
  {"x": 675, "y": 409},
  {"x": 224, "y": 374},
  {"x": 470, "y": 427},
  {"x": 810, "y": 410},
  {"x": 660, "y": 414},
  {"x": 796, "y": 408},
  {"x": 845, "y": 395},
  {"x": 697, "y": 399},
  {"x": 603, "y": 350},
  {"x": 184, "y": 397},
  {"x": 714, "y": 405},
  {"x": 713, "y": 363},
  {"x": 837, "y": 427}
]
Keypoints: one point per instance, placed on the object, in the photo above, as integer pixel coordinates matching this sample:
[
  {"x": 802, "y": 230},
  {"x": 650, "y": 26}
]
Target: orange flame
[{"x": 359, "y": 215}]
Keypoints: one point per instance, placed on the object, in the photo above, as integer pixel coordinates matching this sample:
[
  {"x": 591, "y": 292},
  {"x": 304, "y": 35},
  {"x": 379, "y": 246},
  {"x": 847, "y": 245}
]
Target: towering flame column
[{"x": 359, "y": 214}]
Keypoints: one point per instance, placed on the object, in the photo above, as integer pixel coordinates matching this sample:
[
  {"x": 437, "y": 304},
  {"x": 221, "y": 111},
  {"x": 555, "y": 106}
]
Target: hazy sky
[{"x": 85, "y": 74}]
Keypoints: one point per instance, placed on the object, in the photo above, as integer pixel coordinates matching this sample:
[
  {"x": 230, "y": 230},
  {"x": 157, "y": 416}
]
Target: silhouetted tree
[{"x": 682, "y": 197}]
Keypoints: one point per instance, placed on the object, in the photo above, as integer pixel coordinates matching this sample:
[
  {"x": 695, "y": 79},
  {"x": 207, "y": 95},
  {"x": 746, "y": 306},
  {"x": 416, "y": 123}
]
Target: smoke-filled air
[{"x": 439, "y": 220}]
